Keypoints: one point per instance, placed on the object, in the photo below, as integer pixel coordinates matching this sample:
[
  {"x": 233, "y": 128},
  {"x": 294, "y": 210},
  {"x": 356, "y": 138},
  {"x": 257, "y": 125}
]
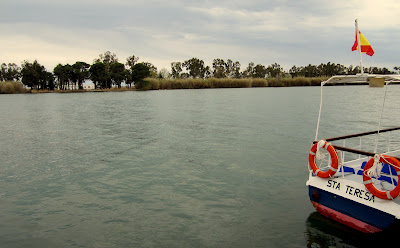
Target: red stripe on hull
[{"x": 345, "y": 219}]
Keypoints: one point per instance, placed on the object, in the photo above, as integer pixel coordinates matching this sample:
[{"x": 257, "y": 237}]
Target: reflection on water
[{"x": 323, "y": 232}]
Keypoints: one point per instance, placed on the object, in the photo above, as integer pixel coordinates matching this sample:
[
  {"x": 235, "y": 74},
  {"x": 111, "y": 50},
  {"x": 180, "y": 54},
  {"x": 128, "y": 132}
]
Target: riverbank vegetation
[
  {"x": 106, "y": 72},
  {"x": 193, "y": 83},
  {"x": 10, "y": 87}
]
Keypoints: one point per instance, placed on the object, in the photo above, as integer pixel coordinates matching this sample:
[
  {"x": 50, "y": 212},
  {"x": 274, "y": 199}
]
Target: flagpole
[{"x": 359, "y": 47}]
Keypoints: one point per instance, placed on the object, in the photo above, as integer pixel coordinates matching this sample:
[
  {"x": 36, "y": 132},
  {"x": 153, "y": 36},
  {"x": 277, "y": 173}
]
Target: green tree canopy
[
  {"x": 107, "y": 59},
  {"x": 131, "y": 61},
  {"x": 196, "y": 68},
  {"x": 10, "y": 72},
  {"x": 176, "y": 69},
  {"x": 80, "y": 72},
  {"x": 64, "y": 75},
  {"x": 98, "y": 75},
  {"x": 34, "y": 75},
  {"x": 219, "y": 68},
  {"x": 232, "y": 69},
  {"x": 117, "y": 73},
  {"x": 260, "y": 71},
  {"x": 139, "y": 72},
  {"x": 274, "y": 70},
  {"x": 152, "y": 69}
]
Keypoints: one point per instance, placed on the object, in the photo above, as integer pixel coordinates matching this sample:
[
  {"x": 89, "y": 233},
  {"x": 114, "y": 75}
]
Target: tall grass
[
  {"x": 297, "y": 81},
  {"x": 162, "y": 84},
  {"x": 12, "y": 88},
  {"x": 167, "y": 84}
]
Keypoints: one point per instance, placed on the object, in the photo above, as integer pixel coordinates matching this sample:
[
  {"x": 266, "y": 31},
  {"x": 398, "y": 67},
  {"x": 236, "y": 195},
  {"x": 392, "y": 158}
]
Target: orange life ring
[
  {"x": 334, "y": 160},
  {"x": 388, "y": 195}
]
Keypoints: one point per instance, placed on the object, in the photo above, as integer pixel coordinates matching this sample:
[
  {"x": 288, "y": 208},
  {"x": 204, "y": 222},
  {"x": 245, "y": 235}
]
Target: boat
[{"x": 363, "y": 191}]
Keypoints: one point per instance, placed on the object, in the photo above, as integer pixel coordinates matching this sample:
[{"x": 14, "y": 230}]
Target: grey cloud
[{"x": 283, "y": 31}]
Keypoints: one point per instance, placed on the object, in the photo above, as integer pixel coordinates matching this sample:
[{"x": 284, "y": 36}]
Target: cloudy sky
[{"x": 287, "y": 32}]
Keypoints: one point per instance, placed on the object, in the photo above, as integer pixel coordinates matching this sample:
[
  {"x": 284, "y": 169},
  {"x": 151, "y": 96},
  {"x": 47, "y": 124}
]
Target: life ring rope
[
  {"x": 316, "y": 153},
  {"x": 373, "y": 169}
]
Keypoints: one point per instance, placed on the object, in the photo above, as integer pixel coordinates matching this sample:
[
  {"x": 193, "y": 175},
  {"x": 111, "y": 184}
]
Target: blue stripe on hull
[{"x": 351, "y": 208}]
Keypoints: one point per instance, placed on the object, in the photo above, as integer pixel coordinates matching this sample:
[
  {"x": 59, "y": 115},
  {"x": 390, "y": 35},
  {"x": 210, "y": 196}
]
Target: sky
[{"x": 287, "y": 32}]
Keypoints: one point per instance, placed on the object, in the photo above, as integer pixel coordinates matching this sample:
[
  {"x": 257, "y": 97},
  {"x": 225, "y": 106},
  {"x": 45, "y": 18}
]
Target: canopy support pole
[
  {"x": 320, "y": 110},
  {"x": 380, "y": 119}
]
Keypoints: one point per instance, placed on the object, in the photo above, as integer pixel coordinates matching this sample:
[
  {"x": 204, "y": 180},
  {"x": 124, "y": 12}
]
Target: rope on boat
[
  {"x": 319, "y": 154},
  {"x": 376, "y": 168},
  {"x": 373, "y": 169}
]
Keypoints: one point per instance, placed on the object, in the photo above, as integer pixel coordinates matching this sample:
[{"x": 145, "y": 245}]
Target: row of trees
[
  {"x": 106, "y": 71},
  {"x": 195, "y": 68},
  {"x": 330, "y": 69}
]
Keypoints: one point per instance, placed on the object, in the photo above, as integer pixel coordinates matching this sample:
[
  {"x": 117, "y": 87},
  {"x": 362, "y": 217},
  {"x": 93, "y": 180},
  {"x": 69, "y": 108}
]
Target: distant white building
[{"x": 88, "y": 86}]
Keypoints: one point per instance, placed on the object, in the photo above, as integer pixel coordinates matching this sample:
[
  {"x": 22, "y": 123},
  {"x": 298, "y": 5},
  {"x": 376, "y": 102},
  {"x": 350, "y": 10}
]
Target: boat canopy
[
  {"x": 374, "y": 80},
  {"x": 361, "y": 78}
]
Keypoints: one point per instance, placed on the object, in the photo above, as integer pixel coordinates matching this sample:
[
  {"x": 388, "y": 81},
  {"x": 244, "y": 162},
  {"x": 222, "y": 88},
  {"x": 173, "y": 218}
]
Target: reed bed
[
  {"x": 12, "y": 88},
  {"x": 95, "y": 90},
  {"x": 297, "y": 81},
  {"x": 170, "y": 84},
  {"x": 164, "y": 84},
  {"x": 167, "y": 84}
]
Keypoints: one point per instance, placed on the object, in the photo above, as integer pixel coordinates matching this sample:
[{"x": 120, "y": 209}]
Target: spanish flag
[{"x": 365, "y": 46}]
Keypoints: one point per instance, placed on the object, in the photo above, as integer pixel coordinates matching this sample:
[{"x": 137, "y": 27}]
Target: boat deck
[{"x": 353, "y": 170}]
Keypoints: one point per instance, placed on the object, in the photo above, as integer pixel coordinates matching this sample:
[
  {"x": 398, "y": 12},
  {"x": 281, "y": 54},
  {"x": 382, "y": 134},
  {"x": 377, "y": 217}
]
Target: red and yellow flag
[{"x": 365, "y": 46}]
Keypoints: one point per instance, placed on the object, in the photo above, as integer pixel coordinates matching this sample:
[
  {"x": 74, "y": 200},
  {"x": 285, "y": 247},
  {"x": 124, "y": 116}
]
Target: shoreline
[
  {"x": 173, "y": 84},
  {"x": 81, "y": 91}
]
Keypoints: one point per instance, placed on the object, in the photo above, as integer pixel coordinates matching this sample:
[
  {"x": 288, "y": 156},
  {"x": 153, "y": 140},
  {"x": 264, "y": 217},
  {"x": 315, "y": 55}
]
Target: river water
[{"x": 176, "y": 168}]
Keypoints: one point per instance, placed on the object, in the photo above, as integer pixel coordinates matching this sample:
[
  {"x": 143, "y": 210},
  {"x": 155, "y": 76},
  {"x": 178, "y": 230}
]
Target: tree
[
  {"x": 295, "y": 71},
  {"x": 219, "y": 67},
  {"x": 117, "y": 73},
  {"x": 65, "y": 75},
  {"x": 176, "y": 69},
  {"x": 49, "y": 78},
  {"x": 2, "y": 71},
  {"x": 152, "y": 68},
  {"x": 248, "y": 73},
  {"x": 107, "y": 59},
  {"x": 376, "y": 70},
  {"x": 61, "y": 75},
  {"x": 311, "y": 71},
  {"x": 339, "y": 70},
  {"x": 164, "y": 73},
  {"x": 34, "y": 75},
  {"x": 353, "y": 70},
  {"x": 139, "y": 72},
  {"x": 386, "y": 71},
  {"x": 232, "y": 69},
  {"x": 128, "y": 78},
  {"x": 274, "y": 70},
  {"x": 80, "y": 71},
  {"x": 196, "y": 68},
  {"x": 259, "y": 71},
  {"x": 70, "y": 78},
  {"x": 131, "y": 61},
  {"x": 98, "y": 75},
  {"x": 10, "y": 72}
]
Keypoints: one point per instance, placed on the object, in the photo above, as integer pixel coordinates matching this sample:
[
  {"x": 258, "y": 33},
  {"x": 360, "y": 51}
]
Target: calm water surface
[{"x": 183, "y": 168}]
